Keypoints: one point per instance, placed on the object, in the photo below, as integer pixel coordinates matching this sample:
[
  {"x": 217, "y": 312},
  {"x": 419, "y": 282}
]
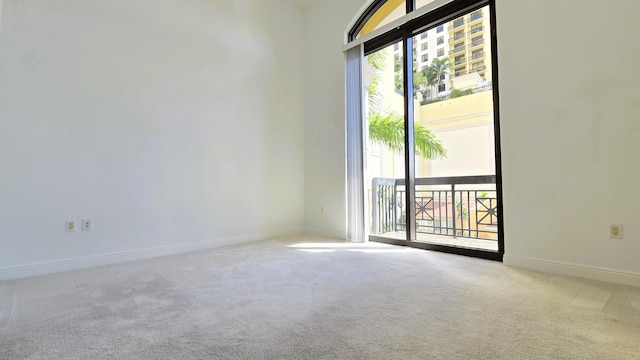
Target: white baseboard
[
  {"x": 51, "y": 267},
  {"x": 562, "y": 268},
  {"x": 341, "y": 235}
]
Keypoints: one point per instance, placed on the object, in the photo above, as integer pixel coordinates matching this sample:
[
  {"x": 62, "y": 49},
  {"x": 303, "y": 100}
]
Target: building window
[
  {"x": 425, "y": 57},
  {"x": 442, "y": 87},
  {"x": 423, "y": 35},
  {"x": 440, "y": 40},
  {"x": 440, "y": 52},
  {"x": 475, "y": 15},
  {"x": 476, "y": 28},
  {"x": 458, "y": 35},
  {"x": 425, "y": 46},
  {"x": 477, "y": 54},
  {"x": 440, "y": 28},
  {"x": 458, "y": 23},
  {"x": 477, "y": 41}
]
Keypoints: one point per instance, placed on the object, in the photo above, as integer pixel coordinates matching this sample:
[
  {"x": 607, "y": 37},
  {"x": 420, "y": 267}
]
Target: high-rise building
[
  {"x": 466, "y": 42},
  {"x": 470, "y": 48}
]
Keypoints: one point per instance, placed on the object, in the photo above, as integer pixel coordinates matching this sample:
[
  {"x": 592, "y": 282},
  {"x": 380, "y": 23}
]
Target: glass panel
[
  {"x": 455, "y": 188},
  {"x": 389, "y": 11},
  {"x": 385, "y": 142}
]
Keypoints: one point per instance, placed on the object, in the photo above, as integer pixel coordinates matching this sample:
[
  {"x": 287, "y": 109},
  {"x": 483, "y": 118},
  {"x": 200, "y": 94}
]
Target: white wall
[
  {"x": 570, "y": 105},
  {"x": 570, "y": 129},
  {"x": 173, "y": 124},
  {"x": 325, "y": 23}
]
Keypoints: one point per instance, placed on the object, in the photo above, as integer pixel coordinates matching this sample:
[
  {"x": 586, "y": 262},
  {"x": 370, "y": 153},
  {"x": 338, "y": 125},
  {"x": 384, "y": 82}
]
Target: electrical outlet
[
  {"x": 70, "y": 226},
  {"x": 615, "y": 231},
  {"x": 87, "y": 224}
]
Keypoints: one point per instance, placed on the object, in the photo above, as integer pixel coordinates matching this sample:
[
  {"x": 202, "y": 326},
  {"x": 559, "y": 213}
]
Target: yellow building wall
[
  {"x": 466, "y": 117},
  {"x": 456, "y": 112}
]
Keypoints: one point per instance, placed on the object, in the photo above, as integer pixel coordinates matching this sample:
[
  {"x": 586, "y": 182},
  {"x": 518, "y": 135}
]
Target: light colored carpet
[{"x": 313, "y": 298}]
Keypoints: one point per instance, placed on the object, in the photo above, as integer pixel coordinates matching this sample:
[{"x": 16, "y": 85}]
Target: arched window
[
  {"x": 380, "y": 13},
  {"x": 423, "y": 150}
]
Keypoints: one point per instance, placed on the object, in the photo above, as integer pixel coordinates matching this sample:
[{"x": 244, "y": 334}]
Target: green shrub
[{"x": 458, "y": 93}]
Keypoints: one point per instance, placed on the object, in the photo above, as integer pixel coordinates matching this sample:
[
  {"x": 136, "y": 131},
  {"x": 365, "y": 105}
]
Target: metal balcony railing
[
  {"x": 461, "y": 206},
  {"x": 459, "y": 61},
  {"x": 475, "y": 29},
  {"x": 457, "y": 49},
  {"x": 477, "y": 55},
  {"x": 476, "y": 43},
  {"x": 458, "y": 36}
]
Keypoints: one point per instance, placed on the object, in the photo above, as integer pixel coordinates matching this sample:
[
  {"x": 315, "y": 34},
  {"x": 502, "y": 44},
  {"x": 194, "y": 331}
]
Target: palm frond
[
  {"x": 376, "y": 59},
  {"x": 427, "y": 144},
  {"x": 389, "y": 130}
]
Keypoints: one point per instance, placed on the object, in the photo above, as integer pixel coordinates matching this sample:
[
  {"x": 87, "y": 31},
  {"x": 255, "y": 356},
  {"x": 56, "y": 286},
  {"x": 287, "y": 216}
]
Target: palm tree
[
  {"x": 420, "y": 81},
  {"x": 388, "y": 127},
  {"x": 431, "y": 79},
  {"x": 438, "y": 67}
]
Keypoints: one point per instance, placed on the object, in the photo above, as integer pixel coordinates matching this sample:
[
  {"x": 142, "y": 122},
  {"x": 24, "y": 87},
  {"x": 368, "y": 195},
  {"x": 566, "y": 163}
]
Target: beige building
[{"x": 470, "y": 45}]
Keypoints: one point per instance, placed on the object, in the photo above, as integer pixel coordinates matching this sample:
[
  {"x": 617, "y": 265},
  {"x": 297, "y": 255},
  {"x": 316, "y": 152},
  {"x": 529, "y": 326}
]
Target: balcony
[
  {"x": 476, "y": 29},
  {"x": 459, "y": 61},
  {"x": 478, "y": 68},
  {"x": 458, "y": 23},
  {"x": 457, "y": 36},
  {"x": 457, "y": 49},
  {"x": 453, "y": 207},
  {"x": 476, "y": 43},
  {"x": 475, "y": 16},
  {"x": 460, "y": 73},
  {"x": 477, "y": 55}
]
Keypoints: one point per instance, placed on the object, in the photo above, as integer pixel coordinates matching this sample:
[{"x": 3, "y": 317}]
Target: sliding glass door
[{"x": 432, "y": 145}]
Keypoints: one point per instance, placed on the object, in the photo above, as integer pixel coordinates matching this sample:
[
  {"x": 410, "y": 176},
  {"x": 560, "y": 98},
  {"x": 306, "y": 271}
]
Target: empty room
[{"x": 319, "y": 179}]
